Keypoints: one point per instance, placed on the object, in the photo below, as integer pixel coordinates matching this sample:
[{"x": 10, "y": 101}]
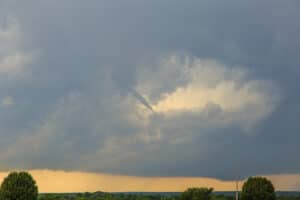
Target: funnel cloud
[{"x": 142, "y": 100}]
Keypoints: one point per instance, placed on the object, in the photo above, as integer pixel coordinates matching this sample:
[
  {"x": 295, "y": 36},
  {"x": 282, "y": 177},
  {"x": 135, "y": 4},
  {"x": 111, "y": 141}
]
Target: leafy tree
[
  {"x": 197, "y": 194},
  {"x": 18, "y": 186},
  {"x": 258, "y": 188}
]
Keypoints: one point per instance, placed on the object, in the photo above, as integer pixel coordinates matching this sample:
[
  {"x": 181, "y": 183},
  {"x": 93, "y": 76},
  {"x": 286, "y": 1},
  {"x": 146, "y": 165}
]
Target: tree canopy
[
  {"x": 258, "y": 188},
  {"x": 19, "y": 186}
]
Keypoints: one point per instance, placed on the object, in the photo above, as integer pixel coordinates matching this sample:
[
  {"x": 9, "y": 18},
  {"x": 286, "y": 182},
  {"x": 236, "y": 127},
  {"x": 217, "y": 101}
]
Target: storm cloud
[{"x": 78, "y": 80}]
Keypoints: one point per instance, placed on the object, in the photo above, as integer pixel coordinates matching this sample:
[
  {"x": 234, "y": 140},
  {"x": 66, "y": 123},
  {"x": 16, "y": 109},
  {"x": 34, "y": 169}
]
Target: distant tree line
[{"x": 21, "y": 186}]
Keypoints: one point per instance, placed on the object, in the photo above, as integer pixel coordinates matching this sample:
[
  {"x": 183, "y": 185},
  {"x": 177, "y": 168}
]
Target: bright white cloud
[{"x": 207, "y": 84}]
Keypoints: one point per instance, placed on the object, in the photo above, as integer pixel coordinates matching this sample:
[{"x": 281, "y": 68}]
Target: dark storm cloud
[{"x": 73, "y": 104}]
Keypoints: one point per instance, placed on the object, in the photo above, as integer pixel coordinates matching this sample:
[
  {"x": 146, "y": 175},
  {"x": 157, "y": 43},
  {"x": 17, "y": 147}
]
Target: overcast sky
[{"x": 150, "y": 88}]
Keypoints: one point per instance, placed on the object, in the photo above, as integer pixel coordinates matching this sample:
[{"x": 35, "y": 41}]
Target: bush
[
  {"x": 197, "y": 194},
  {"x": 258, "y": 188},
  {"x": 19, "y": 186}
]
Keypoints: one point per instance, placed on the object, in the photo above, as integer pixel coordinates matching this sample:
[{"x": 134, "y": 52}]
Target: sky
[{"x": 146, "y": 90}]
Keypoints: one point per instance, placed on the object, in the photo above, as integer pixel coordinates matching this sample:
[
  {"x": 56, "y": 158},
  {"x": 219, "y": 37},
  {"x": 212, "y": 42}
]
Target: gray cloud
[{"x": 73, "y": 103}]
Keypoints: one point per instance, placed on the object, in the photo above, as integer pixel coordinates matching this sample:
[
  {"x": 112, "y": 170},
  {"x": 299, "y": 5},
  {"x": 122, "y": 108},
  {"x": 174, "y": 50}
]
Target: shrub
[{"x": 197, "y": 194}]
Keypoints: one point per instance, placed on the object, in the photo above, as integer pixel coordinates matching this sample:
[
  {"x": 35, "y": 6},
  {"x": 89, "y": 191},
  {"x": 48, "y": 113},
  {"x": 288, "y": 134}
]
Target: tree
[
  {"x": 197, "y": 194},
  {"x": 258, "y": 188},
  {"x": 18, "y": 186}
]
